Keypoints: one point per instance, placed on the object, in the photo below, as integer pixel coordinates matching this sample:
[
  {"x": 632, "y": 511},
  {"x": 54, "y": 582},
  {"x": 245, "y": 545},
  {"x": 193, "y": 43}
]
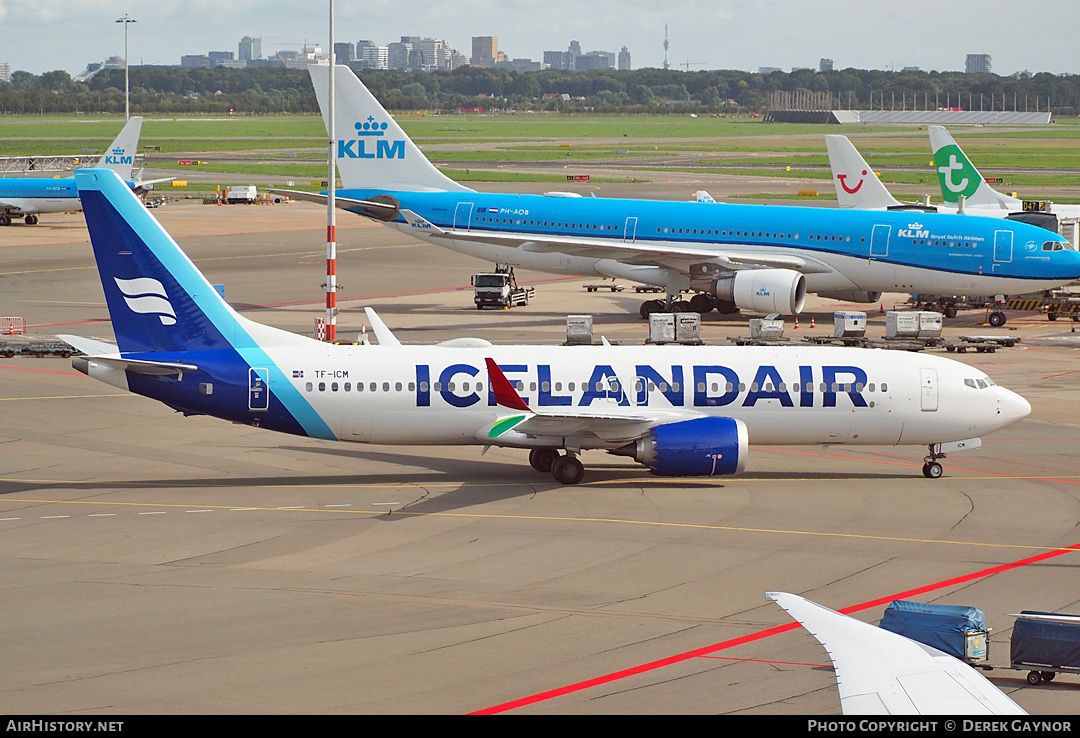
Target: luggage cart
[{"x": 1046, "y": 643}]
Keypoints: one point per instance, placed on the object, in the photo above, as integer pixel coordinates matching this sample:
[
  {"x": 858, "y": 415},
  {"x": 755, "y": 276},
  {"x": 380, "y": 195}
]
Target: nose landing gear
[{"x": 931, "y": 469}]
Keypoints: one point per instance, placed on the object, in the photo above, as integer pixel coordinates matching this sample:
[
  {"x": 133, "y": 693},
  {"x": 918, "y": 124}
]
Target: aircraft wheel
[
  {"x": 542, "y": 459},
  {"x": 1034, "y": 677},
  {"x": 997, "y": 319},
  {"x": 933, "y": 470},
  {"x": 1049, "y": 316},
  {"x": 649, "y": 307},
  {"x": 5, "y": 220},
  {"x": 30, "y": 220},
  {"x": 680, "y": 306},
  {"x": 727, "y": 307},
  {"x": 702, "y": 303},
  {"x": 950, "y": 310},
  {"x": 567, "y": 470}
]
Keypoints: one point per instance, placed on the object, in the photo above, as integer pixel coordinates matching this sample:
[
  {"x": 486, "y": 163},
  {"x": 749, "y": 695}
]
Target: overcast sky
[{"x": 42, "y": 35}]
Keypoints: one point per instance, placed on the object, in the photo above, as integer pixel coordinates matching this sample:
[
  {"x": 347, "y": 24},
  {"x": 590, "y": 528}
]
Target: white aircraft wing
[
  {"x": 632, "y": 252},
  {"x": 883, "y": 673}
]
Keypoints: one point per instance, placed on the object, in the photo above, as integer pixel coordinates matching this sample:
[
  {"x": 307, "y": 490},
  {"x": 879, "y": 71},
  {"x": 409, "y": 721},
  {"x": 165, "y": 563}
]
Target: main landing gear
[
  {"x": 702, "y": 303},
  {"x": 931, "y": 469},
  {"x": 30, "y": 220},
  {"x": 565, "y": 468}
]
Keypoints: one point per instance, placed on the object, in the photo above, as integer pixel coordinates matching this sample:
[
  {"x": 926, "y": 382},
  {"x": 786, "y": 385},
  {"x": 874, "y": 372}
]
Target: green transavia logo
[{"x": 957, "y": 175}]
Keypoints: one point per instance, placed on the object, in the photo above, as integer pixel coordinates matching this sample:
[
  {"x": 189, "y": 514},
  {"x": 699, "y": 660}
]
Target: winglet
[{"x": 505, "y": 394}]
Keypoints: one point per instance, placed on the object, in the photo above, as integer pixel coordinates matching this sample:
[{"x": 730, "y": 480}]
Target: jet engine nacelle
[
  {"x": 702, "y": 447},
  {"x": 852, "y": 296},
  {"x": 764, "y": 290}
]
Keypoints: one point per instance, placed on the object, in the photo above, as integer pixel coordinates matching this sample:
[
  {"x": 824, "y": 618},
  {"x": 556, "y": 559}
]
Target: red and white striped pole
[{"x": 331, "y": 208}]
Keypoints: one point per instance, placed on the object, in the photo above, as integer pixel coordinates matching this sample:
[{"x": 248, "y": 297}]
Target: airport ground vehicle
[
  {"x": 1046, "y": 643},
  {"x": 245, "y": 194},
  {"x": 499, "y": 289}
]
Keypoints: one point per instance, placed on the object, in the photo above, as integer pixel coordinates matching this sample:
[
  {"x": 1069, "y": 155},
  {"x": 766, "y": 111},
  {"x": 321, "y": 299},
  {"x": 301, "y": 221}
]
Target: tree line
[{"x": 263, "y": 90}]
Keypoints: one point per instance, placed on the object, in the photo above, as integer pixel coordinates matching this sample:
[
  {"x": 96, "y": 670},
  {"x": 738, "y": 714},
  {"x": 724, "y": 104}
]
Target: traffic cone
[
  {"x": 796, "y": 322},
  {"x": 881, "y": 308},
  {"x": 811, "y": 321}
]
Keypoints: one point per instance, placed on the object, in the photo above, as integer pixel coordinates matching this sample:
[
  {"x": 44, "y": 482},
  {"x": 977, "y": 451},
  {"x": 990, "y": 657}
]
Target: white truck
[
  {"x": 246, "y": 194},
  {"x": 499, "y": 289}
]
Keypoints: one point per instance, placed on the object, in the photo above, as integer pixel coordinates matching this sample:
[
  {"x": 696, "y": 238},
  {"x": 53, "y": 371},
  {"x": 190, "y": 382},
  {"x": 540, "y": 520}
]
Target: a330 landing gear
[
  {"x": 30, "y": 220},
  {"x": 565, "y": 468},
  {"x": 931, "y": 469}
]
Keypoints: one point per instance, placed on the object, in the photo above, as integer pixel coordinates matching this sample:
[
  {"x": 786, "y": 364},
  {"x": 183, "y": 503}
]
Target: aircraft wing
[
  {"x": 570, "y": 423},
  {"x": 879, "y": 672},
  {"x": 632, "y": 252},
  {"x": 343, "y": 203}
]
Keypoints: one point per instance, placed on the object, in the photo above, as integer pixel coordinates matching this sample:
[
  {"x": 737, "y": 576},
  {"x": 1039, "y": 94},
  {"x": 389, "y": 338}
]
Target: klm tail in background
[
  {"x": 373, "y": 151},
  {"x": 120, "y": 156},
  {"x": 958, "y": 176},
  {"x": 177, "y": 340}
]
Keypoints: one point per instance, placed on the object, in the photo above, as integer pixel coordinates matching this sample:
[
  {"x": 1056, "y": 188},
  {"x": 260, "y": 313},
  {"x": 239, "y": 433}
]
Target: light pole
[{"x": 127, "y": 106}]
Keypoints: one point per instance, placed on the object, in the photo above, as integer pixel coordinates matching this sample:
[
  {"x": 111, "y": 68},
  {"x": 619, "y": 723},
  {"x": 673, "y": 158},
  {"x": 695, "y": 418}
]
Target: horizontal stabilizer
[{"x": 138, "y": 366}]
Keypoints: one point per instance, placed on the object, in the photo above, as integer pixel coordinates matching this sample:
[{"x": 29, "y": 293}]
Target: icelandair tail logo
[
  {"x": 147, "y": 297},
  {"x": 370, "y": 128},
  {"x": 117, "y": 156}
]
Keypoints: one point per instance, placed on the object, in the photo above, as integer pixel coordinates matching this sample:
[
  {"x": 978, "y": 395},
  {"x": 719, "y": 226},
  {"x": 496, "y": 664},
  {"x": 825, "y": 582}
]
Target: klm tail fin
[
  {"x": 958, "y": 176},
  {"x": 158, "y": 300},
  {"x": 373, "y": 151},
  {"x": 857, "y": 186},
  {"x": 120, "y": 156}
]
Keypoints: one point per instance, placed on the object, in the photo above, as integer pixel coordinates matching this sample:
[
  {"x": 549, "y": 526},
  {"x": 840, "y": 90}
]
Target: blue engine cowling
[{"x": 702, "y": 447}]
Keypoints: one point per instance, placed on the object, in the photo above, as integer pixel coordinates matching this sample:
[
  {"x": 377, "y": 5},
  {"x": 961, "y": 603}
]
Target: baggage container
[{"x": 958, "y": 630}]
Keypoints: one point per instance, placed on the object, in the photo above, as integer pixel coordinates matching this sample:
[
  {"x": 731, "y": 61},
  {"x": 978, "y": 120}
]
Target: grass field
[{"x": 290, "y": 146}]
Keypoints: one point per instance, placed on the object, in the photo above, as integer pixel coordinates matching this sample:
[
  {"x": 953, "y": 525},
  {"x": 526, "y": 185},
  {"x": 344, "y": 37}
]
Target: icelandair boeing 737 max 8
[
  {"x": 679, "y": 410},
  {"x": 757, "y": 257}
]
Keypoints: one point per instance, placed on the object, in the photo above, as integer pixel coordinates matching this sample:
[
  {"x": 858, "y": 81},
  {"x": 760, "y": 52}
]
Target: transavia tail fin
[
  {"x": 857, "y": 186},
  {"x": 158, "y": 300},
  {"x": 958, "y": 176},
  {"x": 373, "y": 151},
  {"x": 120, "y": 156}
]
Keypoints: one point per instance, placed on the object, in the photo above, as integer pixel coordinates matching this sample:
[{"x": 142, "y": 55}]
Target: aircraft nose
[{"x": 1012, "y": 407}]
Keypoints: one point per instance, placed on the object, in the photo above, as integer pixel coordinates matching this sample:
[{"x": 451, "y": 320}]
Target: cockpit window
[
  {"x": 979, "y": 383},
  {"x": 970, "y": 383},
  {"x": 982, "y": 383},
  {"x": 1053, "y": 246}
]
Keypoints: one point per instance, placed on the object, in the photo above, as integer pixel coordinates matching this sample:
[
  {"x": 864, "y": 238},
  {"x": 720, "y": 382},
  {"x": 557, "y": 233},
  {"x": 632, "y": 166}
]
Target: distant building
[
  {"x": 344, "y": 52},
  {"x": 250, "y": 48},
  {"x": 370, "y": 55},
  {"x": 910, "y": 69},
  {"x": 594, "y": 60},
  {"x": 801, "y": 69},
  {"x": 978, "y": 64},
  {"x": 398, "y": 55},
  {"x": 825, "y": 65},
  {"x": 485, "y": 51},
  {"x": 113, "y": 62},
  {"x": 521, "y": 65},
  {"x": 218, "y": 58},
  {"x": 5, "y": 72},
  {"x": 624, "y": 59},
  {"x": 194, "y": 61},
  {"x": 557, "y": 60},
  {"x": 768, "y": 70}
]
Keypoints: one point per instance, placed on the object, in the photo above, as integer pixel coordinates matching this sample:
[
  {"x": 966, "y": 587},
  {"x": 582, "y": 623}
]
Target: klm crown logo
[
  {"x": 357, "y": 148},
  {"x": 914, "y": 230}
]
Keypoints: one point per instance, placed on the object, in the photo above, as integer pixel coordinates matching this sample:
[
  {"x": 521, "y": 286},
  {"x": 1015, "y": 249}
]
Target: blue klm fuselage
[{"x": 870, "y": 250}]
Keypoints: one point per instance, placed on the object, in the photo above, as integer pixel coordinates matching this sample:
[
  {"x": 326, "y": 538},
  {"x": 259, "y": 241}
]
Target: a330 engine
[
  {"x": 763, "y": 290},
  {"x": 702, "y": 447}
]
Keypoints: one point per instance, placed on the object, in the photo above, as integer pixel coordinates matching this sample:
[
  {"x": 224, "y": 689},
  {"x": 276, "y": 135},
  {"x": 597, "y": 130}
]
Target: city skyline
[{"x": 42, "y": 35}]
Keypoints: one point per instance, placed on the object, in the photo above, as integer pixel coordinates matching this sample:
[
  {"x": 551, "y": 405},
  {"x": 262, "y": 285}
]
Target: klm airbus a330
[
  {"x": 679, "y": 410},
  {"x": 28, "y": 197},
  {"x": 761, "y": 258}
]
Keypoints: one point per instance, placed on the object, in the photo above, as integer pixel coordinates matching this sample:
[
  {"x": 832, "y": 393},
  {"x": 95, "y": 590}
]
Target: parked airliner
[
  {"x": 28, "y": 197},
  {"x": 762, "y": 258},
  {"x": 681, "y": 411}
]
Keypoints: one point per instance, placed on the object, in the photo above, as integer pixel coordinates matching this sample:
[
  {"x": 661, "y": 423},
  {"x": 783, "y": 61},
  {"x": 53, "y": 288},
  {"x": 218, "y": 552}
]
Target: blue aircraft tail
[
  {"x": 178, "y": 340},
  {"x": 158, "y": 299}
]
